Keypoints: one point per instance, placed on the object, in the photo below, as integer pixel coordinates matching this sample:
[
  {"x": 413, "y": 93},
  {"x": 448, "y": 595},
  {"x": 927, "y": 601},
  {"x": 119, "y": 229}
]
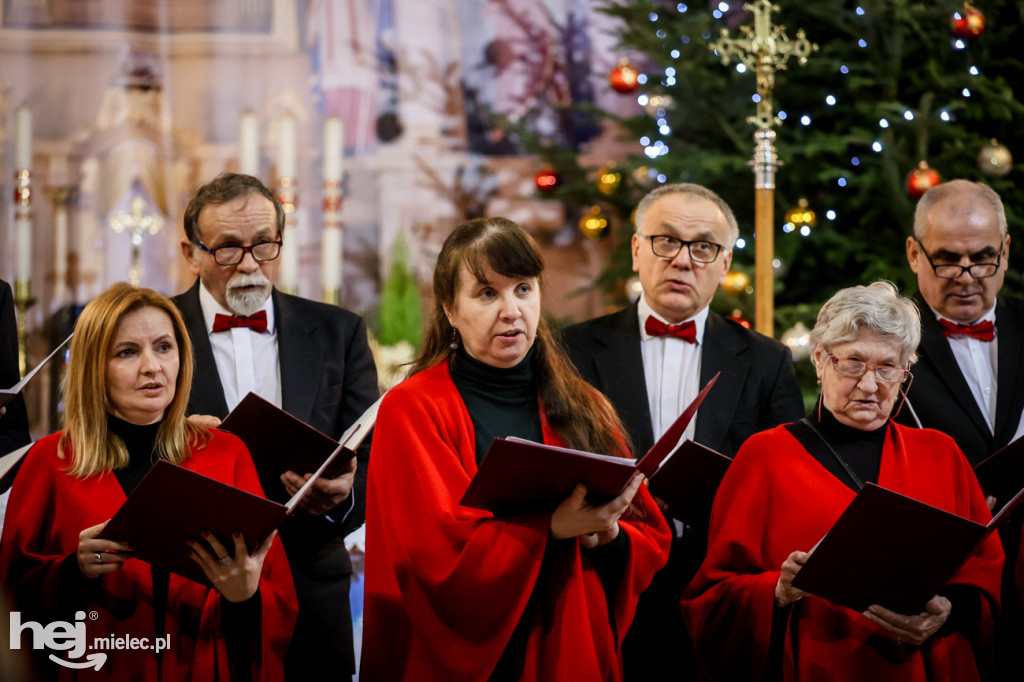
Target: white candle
[
  {"x": 333, "y": 142},
  {"x": 331, "y": 258},
  {"x": 60, "y": 249},
  {"x": 248, "y": 144},
  {"x": 289, "y": 272},
  {"x": 23, "y": 138},
  {"x": 286, "y": 147}
]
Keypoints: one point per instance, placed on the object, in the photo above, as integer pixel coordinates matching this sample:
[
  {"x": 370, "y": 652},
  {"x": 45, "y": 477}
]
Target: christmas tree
[{"x": 893, "y": 84}]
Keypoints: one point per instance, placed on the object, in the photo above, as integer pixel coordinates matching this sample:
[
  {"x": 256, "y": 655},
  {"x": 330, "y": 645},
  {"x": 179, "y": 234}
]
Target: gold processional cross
[
  {"x": 137, "y": 223},
  {"x": 764, "y": 50}
]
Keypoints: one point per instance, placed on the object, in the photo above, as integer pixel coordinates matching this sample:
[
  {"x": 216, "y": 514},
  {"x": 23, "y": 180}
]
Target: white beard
[{"x": 243, "y": 302}]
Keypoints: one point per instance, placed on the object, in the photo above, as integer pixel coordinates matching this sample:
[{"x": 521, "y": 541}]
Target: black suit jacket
[
  {"x": 939, "y": 394},
  {"x": 328, "y": 379},
  {"x": 758, "y": 388},
  {"x": 14, "y": 424}
]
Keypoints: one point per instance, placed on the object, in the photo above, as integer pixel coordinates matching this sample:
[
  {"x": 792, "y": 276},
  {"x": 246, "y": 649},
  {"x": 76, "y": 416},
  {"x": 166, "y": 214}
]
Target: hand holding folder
[
  {"x": 921, "y": 552},
  {"x": 520, "y": 476},
  {"x": 172, "y": 505}
]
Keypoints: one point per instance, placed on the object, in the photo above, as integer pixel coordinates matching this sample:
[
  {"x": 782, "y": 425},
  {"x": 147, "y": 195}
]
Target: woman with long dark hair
[{"x": 454, "y": 593}]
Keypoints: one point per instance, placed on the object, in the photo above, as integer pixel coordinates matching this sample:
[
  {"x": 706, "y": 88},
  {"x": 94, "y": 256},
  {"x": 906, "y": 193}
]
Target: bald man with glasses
[
  {"x": 652, "y": 358},
  {"x": 967, "y": 380}
]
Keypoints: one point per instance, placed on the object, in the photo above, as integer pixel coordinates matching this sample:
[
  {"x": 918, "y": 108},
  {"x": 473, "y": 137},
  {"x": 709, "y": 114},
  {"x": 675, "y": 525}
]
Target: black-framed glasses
[
  {"x": 955, "y": 271},
  {"x": 232, "y": 254},
  {"x": 667, "y": 246},
  {"x": 848, "y": 367}
]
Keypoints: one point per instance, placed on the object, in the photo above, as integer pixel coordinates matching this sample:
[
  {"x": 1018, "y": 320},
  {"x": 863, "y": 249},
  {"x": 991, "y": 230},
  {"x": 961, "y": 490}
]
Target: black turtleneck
[
  {"x": 501, "y": 402},
  {"x": 862, "y": 450}
]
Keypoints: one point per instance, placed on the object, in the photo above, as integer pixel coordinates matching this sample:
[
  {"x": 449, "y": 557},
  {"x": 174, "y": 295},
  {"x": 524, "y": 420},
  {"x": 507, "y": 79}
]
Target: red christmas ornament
[
  {"x": 624, "y": 78},
  {"x": 737, "y": 316},
  {"x": 970, "y": 23},
  {"x": 547, "y": 180},
  {"x": 921, "y": 179}
]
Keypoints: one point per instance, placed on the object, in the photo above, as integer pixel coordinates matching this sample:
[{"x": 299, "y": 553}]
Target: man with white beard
[{"x": 312, "y": 360}]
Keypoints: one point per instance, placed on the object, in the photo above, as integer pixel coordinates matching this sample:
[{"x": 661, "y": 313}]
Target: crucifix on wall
[{"x": 136, "y": 222}]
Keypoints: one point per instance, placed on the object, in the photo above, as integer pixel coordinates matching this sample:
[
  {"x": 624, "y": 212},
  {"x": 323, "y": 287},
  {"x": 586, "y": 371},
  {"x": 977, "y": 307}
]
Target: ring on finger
[
  {"x": 899, "y": 639},
  {"x": 224, "y": 561},
  {"x": 99, "y": 558}
]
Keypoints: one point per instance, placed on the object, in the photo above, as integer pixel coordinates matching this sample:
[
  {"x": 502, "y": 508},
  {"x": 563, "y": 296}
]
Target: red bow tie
[
  {"x": 983, "y": 331},
  {"x": 687, "y": 331},
  {"x": 257, "y": 322}
]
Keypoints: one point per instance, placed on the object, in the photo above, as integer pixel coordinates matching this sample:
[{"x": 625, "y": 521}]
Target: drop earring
[{"x": 454, "y": 345}]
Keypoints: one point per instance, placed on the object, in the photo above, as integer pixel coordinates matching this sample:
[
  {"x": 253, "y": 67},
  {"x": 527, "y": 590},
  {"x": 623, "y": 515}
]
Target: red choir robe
[
  {"x": 447, "y": 585},
  {"x": 777, "y": 499},
  {"x": 47, "y": 510}
]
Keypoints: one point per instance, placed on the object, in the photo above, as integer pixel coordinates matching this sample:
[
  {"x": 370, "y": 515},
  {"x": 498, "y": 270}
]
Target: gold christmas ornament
[
  {"x": 736, "y": 282},
  {"x": 995, "y": 159},
  {"x": 608, "y": 179},
  {"x": 800, "y": 216},
  {"x": 593, "y": 223}
]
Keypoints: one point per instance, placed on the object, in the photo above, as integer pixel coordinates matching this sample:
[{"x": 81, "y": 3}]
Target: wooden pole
[
  {"x": 764, "y": 281},
  {"x": 764, "y": 163}
]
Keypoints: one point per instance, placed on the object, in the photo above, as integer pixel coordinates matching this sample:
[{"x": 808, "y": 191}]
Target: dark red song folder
[
  {"x": 1001, "y": 474},
  {"x": 688, "y": 481},
  {"x": 279, "y": 442},
  {"x": 891, "y": 550},
  {"x": 520, "y": 476},
  {"x": 173, "y": 504}
]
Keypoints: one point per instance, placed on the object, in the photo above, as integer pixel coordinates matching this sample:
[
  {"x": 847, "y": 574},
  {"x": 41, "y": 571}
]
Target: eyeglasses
[
  {"x": 953, "y": 271},
  {"x": 233, "y": 254},
  {"x": 667, "y": 246},
  {"x": 848, "y": 367}
]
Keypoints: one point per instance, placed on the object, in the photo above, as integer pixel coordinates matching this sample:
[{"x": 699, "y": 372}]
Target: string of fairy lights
[{"x": 800, "y": 219}]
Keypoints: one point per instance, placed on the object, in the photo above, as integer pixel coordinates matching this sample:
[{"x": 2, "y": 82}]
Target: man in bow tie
[
  {"x": 312, "y": 360},
  {"x": 966, "y": 380},
  {"x": 967, "y": 376},
  {"x": 652, "y": 358}
]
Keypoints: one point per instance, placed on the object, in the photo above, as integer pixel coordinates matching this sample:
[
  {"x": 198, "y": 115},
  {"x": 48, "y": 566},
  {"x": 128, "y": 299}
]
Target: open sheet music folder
[
  {"x": 688, "y": 481},
  {"x": 173, "y": 504},
  {"x": 1001, "y": 474},
  {"x": 519, "y": 476},
  {"x": 7, "y": 394},
  {"x": 891, "y": 550},
  {"x": 279, "y": 442}
]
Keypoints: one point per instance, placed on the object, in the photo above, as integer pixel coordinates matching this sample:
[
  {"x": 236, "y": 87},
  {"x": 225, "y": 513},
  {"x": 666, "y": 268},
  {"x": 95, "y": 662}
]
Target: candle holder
[{"x": 22, "y": 301}]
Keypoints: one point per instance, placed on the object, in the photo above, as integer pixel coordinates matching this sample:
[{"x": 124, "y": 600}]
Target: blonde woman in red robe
[
  {"x": 454, "y": 593},
  {"x": 788, "y": 486},
  {"x": 125, "y": 396}
]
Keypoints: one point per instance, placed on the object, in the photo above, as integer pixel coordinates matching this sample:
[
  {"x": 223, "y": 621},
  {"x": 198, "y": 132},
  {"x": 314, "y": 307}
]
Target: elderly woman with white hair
[{"x": 788, "y": 486}]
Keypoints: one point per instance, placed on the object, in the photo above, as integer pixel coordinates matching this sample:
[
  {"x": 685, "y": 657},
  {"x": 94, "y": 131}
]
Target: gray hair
[
  {"x": 967, "y": 193},
  {"x": 697, "y": 191},
  {"x": 878, "y": 307}
]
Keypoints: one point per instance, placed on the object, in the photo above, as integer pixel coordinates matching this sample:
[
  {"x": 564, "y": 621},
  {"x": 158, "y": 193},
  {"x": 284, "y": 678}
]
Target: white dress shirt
[
  {"x": 671, "y": 371},
  {"x": 246, "y": 360},
  {"x": 978, "y": 362}
]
